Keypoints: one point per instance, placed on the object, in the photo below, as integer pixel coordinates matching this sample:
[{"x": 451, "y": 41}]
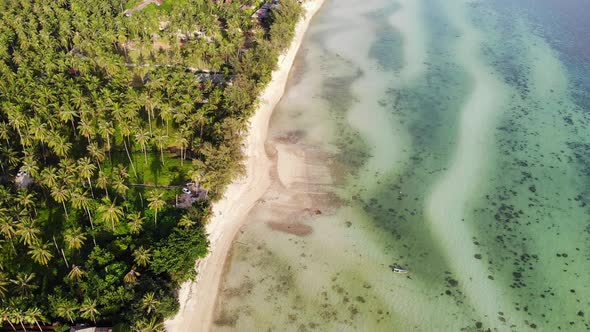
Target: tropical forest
[{"x": 121, "y": 122}]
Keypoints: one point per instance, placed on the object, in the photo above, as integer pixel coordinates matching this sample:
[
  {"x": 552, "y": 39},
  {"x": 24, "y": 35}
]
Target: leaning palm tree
[
  {"x": 6, "y": 315},
  {"x": 135, "y": 223},
  {"x": 142, "y": 256},
  {"x": 96, "y": 153},
  {"x": 40, "y": 254},
  {"x": 76, "y": 273},
  {"x": 156, "y": 203},
  {"x": 74, "y": 238},
  {"x": 88, "y": 310},
  {"x": 109, "y": 212},
  {"x": 33, "y": 315}
]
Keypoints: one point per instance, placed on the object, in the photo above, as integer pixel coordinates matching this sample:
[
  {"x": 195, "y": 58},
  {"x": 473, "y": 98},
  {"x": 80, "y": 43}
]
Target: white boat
[{"x": 397, "y": 269}]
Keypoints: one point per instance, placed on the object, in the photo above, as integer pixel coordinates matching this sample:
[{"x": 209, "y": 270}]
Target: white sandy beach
[{"x": 197, "y": 299}]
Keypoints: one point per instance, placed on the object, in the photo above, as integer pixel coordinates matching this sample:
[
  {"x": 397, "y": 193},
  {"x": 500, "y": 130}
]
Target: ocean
[{"x": 449, "y": 138}]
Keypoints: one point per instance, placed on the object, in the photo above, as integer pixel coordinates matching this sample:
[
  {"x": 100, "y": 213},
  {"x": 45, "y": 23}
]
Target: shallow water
[{"x": 447, "y": 137}]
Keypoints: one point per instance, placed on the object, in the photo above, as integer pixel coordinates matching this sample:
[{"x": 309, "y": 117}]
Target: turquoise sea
[{"x": 450, "y": 138}]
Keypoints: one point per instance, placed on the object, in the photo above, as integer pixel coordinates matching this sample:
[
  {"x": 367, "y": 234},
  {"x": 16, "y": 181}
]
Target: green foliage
[
  {"x": 175, "y": 256},
  {"x": 103, "y": 112}
]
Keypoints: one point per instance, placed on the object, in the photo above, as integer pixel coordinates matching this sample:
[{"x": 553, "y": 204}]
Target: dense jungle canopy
[{"x": 106, "y": 112}]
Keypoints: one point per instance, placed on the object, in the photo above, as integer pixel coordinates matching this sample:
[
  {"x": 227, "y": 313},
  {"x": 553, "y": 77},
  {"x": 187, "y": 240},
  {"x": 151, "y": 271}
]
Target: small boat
[{"x": 398, "y": 269}]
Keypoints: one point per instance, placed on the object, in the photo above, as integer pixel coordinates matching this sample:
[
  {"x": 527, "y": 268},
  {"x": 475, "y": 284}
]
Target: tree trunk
[
  {"x": 90, "y": 185},
  {"x": 129, "y": 157},
  {"x": 144, "y": 153},
  {"x": 66, "y": 210}
]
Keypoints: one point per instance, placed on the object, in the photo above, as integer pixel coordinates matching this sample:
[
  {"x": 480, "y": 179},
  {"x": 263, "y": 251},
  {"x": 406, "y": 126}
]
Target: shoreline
[{"x": 198, "y": 299}]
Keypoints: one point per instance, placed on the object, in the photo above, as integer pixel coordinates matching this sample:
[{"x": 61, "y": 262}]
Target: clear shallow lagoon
[{"x": 449, "y": 137}]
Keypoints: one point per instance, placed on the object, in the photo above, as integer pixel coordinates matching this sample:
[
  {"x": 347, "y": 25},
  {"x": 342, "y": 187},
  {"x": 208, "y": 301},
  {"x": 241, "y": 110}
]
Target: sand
[{"x": 197, "y": 299}]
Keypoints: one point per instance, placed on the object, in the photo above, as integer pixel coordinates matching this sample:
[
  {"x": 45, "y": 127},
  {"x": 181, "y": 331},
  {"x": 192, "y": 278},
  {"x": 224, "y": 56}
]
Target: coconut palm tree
[
  {"x": 66, "y": 309},
  {"x": 86, "y": 169},
  {"x": 96, "y": 153},
  {"x": 33, "y": 315},
  {"x": 4, "y": 282},
  {"x": 27, "y": 231},
  {"x": 186, "y": 222},
  {"x": 151, "y": 325},
  {"x": 27, "y": 200},
  {"x": 160, "y": 139},
  {"x": 76, "y": 273},
  {"x": 142, "y": 256},
  {"x": 110, "y": 212},
  {"x": 156, "y": 203},
  {"x": 6, "y": 315},
  {"x": 102, "y": 182},
  {"x": 135, "y": 223},
  {"x": 143, "y": 137},
  {"x": 86, "y": 130},
  {"x": 149, "y": 302},
  {"x": 131, "y": 276},
  {"x": 61, "y": 195},
  {"x": 23, "y": 283},
  {"x": 74, "y": 238},
  {"x": 88, "y": 310},
  {"x": 49, "y": 177},
  {"x": 40, "y": 254}
]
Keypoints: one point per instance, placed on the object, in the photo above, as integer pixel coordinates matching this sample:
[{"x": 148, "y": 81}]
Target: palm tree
[
  {"x": 61, "y": 195},
  {"x": 19, "y": 317},
  {"x": 6, "y": 315},
  {"x": 66, "y": 309},
  {"x": 4, "y": 282},
  {"x": 143, "y": 137},
  {"x": 142, "y": 256},
  {"x": 156, "y": 203},
  {"x": 33, "y": 315},
  {"x": 74, "y": 238},
  {"x": 86, "y": 169},
  {"x": 76, "y": 273},
  {"x": 110, "y": 212},
  {"x": 88, "y": 310},
  {"x": 27, "y": 200},
  {"x": 103, "y": 182},
  {"x": 23, "y": 283},
  {"x": 160, "y": 139},
  {"x": 149, "y": 302},
  {"x": 152, "y": 325},
  {"x": 120, "y": 186},
  {"x": 186, "y": 222},
  {"x": 49, "y": 177},
  {"x": 135, "y": 223},
  {"x": 105, "y": 129},
  {"x": 40, "y": 254},
  {"x": 86, "y": 130},
  {"x": 131, "y": 276},
  {"x": 96, "y": 152},
  {"x": 27, "y": 231}
]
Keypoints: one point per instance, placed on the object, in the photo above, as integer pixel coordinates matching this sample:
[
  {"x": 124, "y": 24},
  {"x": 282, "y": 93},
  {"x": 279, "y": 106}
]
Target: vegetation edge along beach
[
  {"x": 198, "y": 299},
  {"x": 121, "y": 122}
]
